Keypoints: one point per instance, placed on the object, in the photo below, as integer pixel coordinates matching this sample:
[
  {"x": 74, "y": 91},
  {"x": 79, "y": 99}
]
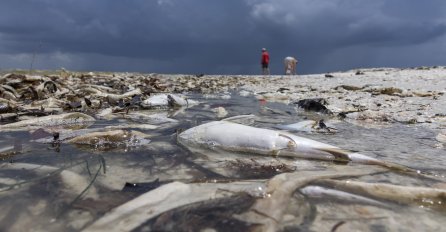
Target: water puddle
[{"x": 65, "y": 187}]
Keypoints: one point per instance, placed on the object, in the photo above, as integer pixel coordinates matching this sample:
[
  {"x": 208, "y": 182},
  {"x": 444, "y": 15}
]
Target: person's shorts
[{"x": 264, "y": 65}]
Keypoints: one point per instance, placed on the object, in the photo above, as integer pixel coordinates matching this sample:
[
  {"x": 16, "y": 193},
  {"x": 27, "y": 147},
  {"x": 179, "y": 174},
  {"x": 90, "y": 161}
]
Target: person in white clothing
[{"x": 290, "y": 65}]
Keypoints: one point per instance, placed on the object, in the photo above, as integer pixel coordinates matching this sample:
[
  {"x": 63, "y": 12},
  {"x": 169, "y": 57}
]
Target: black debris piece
[
  {"x": 141, "y": 188},
  {"x": 315, "y": 104}
]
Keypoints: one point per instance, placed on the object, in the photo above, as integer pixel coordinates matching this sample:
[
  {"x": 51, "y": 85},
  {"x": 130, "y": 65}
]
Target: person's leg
[
  {"x": 294, "y": 68},
  {"x": 286, "y": 69},
  {"x": 265, "y": 69}
]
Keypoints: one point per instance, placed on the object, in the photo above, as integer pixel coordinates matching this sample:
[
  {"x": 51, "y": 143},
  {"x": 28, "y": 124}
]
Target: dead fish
[
  {"x": 115, "y": 138},
  {"x": 47, "y": 87},
  {"x": 51, "y": 120},
  {"x": 90, "y": 91},
  {"x": 34, "y": 78},
  {"x": 166, "y": 100},
  {"x": 233, "y": 137},
  {"x": 269, "y": 211},
  {"x": 11, "y": 89},
  {"x": 324, "y": 193},
  {"x": 114, "y": 98},
  {"x": 30, "y": 93},
  {"x": 12, "y": 103},
  {"x": 424, "y": 196},
  {"x": 7, "y": 94},
  {"x": 95, "y": 88},
  {"x": 50, "y": 86},
  {"x": 159, "y": 100},
  {"x": 45, "y": 136},
  {"x": 50, "y": 102}
]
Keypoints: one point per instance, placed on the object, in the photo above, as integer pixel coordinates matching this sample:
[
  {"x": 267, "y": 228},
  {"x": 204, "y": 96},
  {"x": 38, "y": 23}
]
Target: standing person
[
  {"x": 265, "y": 62},
  {"x": 290, "y": 65}
]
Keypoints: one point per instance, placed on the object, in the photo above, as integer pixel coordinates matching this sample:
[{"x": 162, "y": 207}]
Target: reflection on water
[{"x": 62, "y": 187}]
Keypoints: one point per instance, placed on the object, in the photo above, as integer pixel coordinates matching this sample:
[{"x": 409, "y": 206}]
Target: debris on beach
[
  {"x": 441, "y": 137},
  {"x": 220, "y": 111},
  {"x": 315, "y": 104}
]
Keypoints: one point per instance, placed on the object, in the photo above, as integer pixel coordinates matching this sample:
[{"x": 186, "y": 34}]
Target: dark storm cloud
[{"x": 213, "y": 36}]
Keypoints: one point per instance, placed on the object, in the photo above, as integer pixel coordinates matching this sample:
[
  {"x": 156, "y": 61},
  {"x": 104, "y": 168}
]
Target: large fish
[{"x": 233, "y": 137}]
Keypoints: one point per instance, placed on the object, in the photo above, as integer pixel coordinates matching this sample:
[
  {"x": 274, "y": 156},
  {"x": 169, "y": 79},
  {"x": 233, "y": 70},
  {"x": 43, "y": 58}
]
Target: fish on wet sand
[
  {"x": 233, "y": 137},
  {"x": 48, "y": 121},
  {"x": 113, "y": 137}
]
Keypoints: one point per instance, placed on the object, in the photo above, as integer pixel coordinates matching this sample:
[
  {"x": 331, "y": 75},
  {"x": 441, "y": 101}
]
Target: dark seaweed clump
[{"x": 213, "y": 214}]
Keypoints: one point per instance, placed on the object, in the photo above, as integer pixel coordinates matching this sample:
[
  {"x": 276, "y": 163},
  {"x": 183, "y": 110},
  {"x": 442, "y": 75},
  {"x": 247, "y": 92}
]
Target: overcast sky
[{"x": 220, "y": 36}]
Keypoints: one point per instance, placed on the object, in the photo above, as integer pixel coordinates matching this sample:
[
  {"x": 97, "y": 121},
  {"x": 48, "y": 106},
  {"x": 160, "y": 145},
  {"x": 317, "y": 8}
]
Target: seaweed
[
  {"x": 216, "y": 214},
  {"x": 253, "y": 169},
  {"x": 79, "y": 196}
]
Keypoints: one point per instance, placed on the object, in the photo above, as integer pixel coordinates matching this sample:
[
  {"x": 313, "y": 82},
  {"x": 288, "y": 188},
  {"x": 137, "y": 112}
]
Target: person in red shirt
[{"x": 265, "y": 62}]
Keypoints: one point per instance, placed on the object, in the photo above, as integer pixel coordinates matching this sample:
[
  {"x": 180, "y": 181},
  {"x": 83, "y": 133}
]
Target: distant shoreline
[{"x": 56, "y": 71}]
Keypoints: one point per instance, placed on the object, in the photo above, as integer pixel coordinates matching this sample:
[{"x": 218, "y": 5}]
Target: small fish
[{"x": 51, "y": 120}]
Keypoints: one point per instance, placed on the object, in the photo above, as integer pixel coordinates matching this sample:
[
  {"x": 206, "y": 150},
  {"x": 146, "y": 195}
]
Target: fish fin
[{"x": 291, "y": 143}]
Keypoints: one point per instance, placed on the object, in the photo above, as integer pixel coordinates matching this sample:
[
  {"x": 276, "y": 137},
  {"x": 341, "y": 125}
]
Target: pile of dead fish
[
  {"x": 35, "y": 95},
  {"x": 23, "y": 97},
  {"x": 60, "y": 108}
]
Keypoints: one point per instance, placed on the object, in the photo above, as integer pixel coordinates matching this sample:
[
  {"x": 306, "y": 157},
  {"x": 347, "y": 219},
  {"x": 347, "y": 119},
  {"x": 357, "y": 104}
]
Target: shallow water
[{"x": 38, "y": 200}]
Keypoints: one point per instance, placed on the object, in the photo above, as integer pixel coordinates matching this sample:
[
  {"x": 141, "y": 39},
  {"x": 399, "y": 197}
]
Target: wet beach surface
[{"x": 52, "y": 185}]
